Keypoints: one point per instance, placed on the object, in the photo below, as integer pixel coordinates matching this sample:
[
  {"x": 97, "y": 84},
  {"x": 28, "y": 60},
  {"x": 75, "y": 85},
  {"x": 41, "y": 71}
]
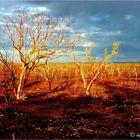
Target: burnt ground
[
  {"x": 61, "y": 118},
  {"x": 66, "y": 116}
]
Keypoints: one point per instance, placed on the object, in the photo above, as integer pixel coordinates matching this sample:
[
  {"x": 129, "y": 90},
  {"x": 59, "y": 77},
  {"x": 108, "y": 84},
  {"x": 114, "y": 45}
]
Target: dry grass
[{"x": 118, "y": 76}]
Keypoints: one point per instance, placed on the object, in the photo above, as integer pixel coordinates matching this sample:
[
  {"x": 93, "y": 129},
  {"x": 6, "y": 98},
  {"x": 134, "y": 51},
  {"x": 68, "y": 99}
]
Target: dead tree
[
  {"x": 33, "y": 37},
  {"x": 89, "y": 69}
]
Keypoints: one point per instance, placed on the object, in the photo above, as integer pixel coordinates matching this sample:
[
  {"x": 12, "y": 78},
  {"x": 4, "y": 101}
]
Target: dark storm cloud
[
  {"x": 100, "y": 21},
  {"x": 34, "y": 2}
]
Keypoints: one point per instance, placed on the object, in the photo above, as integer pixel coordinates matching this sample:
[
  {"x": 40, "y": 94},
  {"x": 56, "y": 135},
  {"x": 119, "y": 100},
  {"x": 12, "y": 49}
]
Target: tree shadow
[
  {"x": 32, "y": 83},
  {"x": 129, "y": 95}
]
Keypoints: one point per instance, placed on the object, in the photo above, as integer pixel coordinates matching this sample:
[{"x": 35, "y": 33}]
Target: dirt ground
[{"x": 68, "y": 115}]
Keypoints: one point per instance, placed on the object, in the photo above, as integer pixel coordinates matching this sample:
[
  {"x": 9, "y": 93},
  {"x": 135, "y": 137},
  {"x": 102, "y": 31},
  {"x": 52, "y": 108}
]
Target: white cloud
[
  {"x": 42, "y": 9},
  {"x": 83, "y": 35},
  {"x": 4, "y": 13},
  {"x": 7, "y": 14},
  {"x": 2, "y": 9},
  {"x": 128, "y": 17},
  {"x": 87, "y": 44},
  {"x": 107, "y": 33},
  {"x": 1, "y": 23},
  {"x": 34, "y": 10}
]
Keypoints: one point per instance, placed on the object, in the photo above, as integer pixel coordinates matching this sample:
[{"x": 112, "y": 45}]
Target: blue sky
[{"x": 100, "y": 22}]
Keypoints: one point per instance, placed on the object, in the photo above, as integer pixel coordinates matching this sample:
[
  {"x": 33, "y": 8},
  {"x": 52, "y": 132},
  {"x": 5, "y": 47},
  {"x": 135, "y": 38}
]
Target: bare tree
[
  {"x": 33, "y": 37},
  {"x": 114, "y": 52},
  {"x": 90, "y": 69}
]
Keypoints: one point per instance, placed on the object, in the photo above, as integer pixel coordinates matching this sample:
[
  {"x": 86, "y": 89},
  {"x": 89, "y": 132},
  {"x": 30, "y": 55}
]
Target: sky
[{"x": 99, "y": 22}]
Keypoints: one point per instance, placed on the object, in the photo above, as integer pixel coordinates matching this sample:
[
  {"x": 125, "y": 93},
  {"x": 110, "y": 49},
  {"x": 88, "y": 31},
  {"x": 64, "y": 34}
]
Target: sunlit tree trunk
[{"x": 21, "y": 80}]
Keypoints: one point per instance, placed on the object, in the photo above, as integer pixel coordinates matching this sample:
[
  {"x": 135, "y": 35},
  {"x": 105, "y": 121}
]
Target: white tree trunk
[{"x": 19, "y": 90}]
